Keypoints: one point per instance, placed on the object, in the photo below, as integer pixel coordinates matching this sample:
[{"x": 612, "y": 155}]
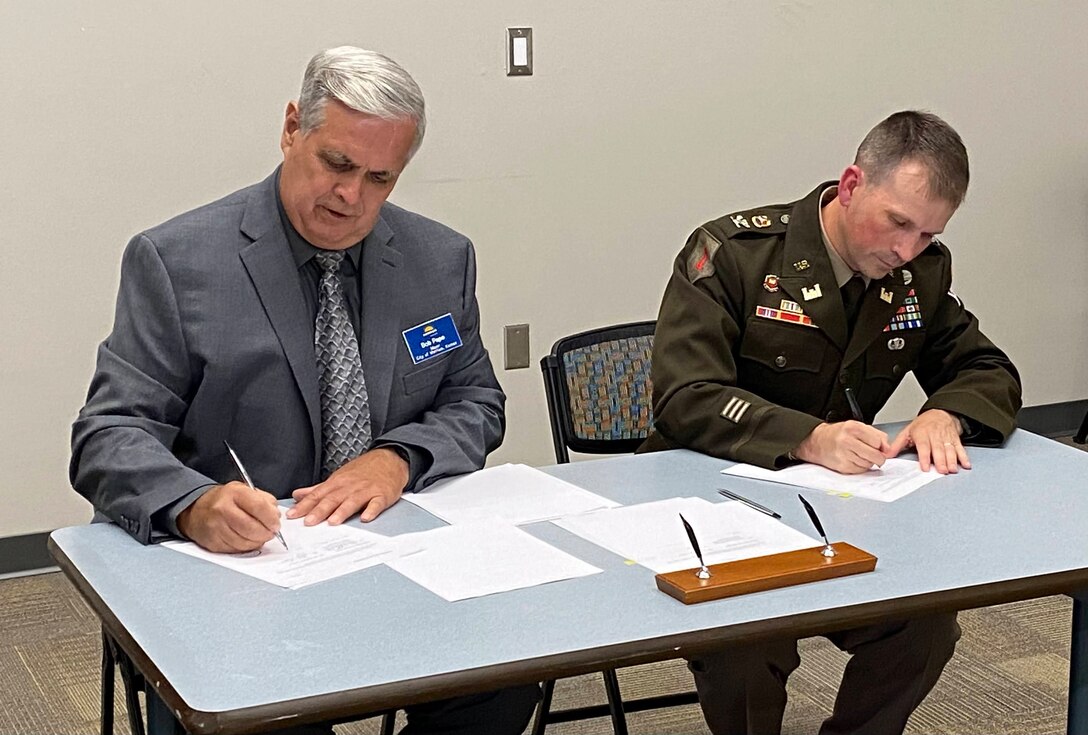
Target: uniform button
[
  {"x": 897, "y": 370},
  {"x": 780, "y": 361},
  {"x": 843, "y": 378},
  {"x": 832, "y": 416}
]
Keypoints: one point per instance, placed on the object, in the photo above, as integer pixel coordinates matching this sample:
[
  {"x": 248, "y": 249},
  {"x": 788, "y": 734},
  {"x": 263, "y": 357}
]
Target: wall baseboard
[{"x": 27, "y": 553}]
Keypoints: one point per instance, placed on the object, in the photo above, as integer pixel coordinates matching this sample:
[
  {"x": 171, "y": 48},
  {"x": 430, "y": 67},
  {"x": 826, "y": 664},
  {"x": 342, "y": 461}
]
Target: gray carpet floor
[{"x": 1009, "y": 675}]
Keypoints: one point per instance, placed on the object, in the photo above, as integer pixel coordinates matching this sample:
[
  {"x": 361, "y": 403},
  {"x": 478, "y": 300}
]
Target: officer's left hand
[
  {"x": 935, "y": 435},
  {"x": 371, "y": 482}
]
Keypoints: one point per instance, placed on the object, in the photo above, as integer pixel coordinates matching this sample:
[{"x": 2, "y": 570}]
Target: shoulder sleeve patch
[{"x": 701, "y": 259}]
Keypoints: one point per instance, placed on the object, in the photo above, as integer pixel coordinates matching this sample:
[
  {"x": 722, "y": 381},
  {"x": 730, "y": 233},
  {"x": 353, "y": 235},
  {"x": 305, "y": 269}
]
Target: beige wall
[{"x": 578, "y": 184}]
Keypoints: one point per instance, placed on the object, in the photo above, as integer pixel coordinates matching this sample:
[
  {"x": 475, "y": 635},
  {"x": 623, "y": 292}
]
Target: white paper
[
  {"x": 896, "y": 479},
  {"x": 653, "y": 535},
  {"x": 473, "y": 560},
  {"x": 313, "y": 554},
  {"x": 511, "y": 494}
]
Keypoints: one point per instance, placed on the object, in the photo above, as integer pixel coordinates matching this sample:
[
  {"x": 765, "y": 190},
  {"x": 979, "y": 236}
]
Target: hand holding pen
[{"x": 245, "y": 476}]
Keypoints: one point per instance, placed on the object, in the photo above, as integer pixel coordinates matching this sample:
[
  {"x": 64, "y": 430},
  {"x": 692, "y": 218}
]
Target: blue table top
[{"x": 227, "y": 647}]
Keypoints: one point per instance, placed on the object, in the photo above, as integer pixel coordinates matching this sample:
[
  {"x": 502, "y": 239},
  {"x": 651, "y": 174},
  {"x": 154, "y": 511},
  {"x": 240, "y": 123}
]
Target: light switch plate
[
  {"x": 515, "y": 346},
  {"x": 519, "y": 52}
]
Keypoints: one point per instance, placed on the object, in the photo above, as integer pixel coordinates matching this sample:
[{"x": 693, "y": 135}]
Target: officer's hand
[
  {"x": 231, "y": 518},
  {"x": 935, "y": 434},
  {"x": 850, "y": 447},
  {"x": 371, "y": 482}
]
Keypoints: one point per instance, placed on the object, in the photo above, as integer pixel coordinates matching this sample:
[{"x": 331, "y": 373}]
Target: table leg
[{"x": 1077, "y": 723}]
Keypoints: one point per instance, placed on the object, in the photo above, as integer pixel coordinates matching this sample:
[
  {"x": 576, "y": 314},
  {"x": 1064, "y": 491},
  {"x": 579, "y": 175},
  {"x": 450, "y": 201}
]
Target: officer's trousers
[
  {"x": 503, "y": 712},
  {"x": 893, "y": 666}
]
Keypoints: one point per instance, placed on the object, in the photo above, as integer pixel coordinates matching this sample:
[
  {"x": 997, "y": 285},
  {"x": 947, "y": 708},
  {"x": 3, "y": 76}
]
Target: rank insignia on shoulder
[
  {"x": 811, "y": 294},
  {"x": 761, "y": 220},
  {"x": 739, "y": 220},
  {"x": 801, "y": 265},
  {"x": 735, "y": 409},
  {"x": 770, "y": 283}
]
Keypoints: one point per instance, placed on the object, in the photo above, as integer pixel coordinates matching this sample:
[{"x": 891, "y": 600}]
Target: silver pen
[
  {"x": 750, "y": 503},
  {"x": 248, "y": 481}
]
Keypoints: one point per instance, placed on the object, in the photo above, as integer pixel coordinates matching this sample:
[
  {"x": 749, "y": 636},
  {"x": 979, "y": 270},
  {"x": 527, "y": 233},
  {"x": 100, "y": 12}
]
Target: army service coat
[{"x": 751, "y": 350}]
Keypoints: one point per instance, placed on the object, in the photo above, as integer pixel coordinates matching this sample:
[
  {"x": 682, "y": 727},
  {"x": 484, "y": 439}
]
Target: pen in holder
[
  {"x": 703, "y": 572},
  {"x": 829, "y": 550}
]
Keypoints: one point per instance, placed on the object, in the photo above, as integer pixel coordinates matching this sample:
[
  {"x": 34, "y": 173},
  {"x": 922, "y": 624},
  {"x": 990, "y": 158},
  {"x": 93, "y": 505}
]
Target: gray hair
[
  {"x": 923, "y": 137},
  {"x": 365, "y": 81}
]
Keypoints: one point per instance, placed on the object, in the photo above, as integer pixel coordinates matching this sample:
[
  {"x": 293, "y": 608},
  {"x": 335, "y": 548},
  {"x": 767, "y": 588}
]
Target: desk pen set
[{"x": 761, "y": 573}]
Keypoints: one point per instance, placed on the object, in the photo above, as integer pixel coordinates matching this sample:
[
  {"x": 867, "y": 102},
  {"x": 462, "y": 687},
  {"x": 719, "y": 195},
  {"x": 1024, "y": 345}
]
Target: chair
[{"x": 599, "y": 402}]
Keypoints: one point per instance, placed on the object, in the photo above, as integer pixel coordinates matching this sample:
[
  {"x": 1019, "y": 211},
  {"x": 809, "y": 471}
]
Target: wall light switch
[
  {"x": 515, "y": 346},
  {"x": 519, "y": 52}
]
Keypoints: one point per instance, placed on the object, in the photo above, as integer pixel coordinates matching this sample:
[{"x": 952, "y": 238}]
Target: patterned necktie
[
  {"x": 852, "y": 292},
  {"x": 345, "y": 408}
]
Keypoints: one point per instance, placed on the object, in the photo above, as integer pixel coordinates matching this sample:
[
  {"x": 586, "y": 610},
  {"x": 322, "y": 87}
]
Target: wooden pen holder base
[{"x": 765, "y": 573}]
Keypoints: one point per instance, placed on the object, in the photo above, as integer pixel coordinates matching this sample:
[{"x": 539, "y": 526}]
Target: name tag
[{"x": 431, "y": 339}]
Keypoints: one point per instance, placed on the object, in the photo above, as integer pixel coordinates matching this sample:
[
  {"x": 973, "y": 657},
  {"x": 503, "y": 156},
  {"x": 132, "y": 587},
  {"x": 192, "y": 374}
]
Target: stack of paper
[
  {"x": 653, "y": 535},
  {"x": 511, "y": 493},
  {"x": 313, "y": 554},
  {"x": 472, "y": 560},
  {"x": 897, "y": 478}
]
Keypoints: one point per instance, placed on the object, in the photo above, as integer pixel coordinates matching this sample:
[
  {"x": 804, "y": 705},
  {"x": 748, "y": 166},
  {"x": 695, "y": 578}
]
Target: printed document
[
  {"x": 313, "y": 554},
  {"x": 653, "y": 535},
  {"x": 896, "y": 479},
  {"x": 513, "y": 494},
  {"x": 473, "y": 560}
]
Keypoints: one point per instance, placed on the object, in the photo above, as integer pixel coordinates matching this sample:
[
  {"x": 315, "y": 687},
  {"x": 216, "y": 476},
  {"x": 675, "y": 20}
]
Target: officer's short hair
[{"x": 911, "y": 135}]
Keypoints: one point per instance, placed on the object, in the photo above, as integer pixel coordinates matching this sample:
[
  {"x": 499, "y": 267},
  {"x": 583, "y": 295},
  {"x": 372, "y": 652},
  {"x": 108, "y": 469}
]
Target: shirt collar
[{"x": 843, "y": 272}]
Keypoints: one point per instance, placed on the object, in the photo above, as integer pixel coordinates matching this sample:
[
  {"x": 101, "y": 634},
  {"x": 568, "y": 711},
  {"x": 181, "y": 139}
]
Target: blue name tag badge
[{"x": 432, "y": 338}]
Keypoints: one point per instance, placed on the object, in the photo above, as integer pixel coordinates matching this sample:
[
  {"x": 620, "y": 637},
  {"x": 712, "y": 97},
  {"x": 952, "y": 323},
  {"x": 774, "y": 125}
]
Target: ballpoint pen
[
  {"x": 750, "y": 503},
  {"x": 248, "y": 481},
  {"x": 703, "y": 572},
  {"x": 828, "y": 550},
  {"x": 855, "y": 409}
]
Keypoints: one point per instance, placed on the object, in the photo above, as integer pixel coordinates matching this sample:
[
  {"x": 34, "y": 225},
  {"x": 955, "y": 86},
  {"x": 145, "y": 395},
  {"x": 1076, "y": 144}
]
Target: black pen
[
  {"x": 703, "y": 572},
  {"x": 855, "y": 409},
  {"x": 248, "y": 481},
  {"x": 750, "y": 503},
  {"x": 828, "y": 549}
]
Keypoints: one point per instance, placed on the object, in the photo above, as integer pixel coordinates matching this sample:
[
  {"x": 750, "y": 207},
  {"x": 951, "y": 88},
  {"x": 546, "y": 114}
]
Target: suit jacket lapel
[
  {"x": 274, "y": 274},
  {"x": 381, "y": 332}
]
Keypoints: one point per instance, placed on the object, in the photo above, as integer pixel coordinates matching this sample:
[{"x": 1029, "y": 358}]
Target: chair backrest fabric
[{"x": 599, "y": 390}]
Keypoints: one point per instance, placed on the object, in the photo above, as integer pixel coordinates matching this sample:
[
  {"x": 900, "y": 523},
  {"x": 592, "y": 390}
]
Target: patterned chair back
[{"x": 599, "y": 390}]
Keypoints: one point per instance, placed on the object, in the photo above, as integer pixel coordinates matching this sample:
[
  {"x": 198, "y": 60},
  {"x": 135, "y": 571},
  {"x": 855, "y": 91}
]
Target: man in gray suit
[{"x": 330, "y": 337}]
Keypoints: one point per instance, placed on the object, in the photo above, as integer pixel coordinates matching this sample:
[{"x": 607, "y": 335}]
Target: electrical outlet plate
[{"x": 515, "y": 346}]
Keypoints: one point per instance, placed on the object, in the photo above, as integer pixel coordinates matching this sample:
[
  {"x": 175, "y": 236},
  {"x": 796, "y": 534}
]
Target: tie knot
[{"x": 329, "y": 260}]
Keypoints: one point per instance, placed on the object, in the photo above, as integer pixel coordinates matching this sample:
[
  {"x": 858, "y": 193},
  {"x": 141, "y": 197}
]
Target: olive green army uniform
[{"x": 752, "y": 351}]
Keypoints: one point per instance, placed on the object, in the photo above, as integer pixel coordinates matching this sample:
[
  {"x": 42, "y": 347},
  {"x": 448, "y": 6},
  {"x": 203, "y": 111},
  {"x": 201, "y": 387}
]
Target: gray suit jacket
[{"x": 212, "y": 341}]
